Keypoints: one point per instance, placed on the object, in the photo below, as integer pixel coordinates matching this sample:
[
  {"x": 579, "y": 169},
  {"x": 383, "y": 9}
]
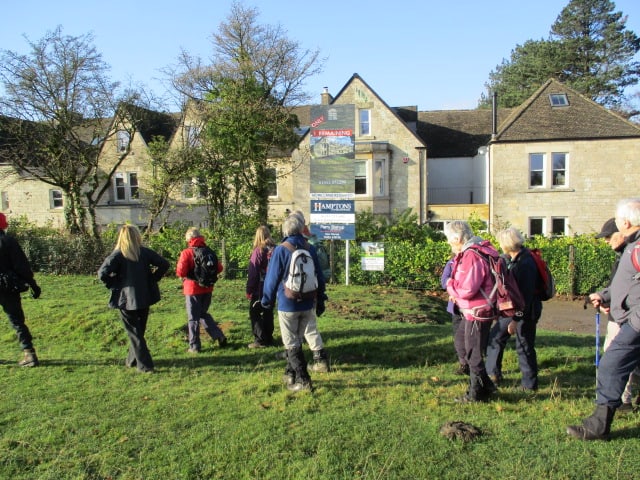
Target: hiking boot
[
  {"x": 595, "y": 427},
  {"x": 496, "y": 379},
  {"x": 193, "y": 350},
  {"x": 222, "y": 342},
  {"x": 30, "y": 358},
  {"x": 289, "y": 379},
  {"x": 256, "y": 345},
  {"x": 467, "y": 398},
  {"x": 300, "y": 386},
  {"x": 320, "y": 362},
  {"x": 463, "y": 369}
]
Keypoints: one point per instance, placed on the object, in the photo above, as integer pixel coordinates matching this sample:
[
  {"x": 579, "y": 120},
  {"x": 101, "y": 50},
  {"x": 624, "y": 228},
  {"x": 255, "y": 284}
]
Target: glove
[
  {"x": 320, "y": 308},
  {"x": 35, "y": 290}
]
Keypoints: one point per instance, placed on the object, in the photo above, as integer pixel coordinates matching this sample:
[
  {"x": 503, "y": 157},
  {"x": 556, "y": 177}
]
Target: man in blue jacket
[{"x": 297, "y": 318}]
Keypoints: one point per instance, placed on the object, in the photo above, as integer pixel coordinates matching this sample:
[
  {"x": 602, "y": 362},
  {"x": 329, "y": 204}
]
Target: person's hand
[
  {"x": 595, "y": 299},
  {"x": 35, "y": 290},
  {"x": 512, "y": 327}
]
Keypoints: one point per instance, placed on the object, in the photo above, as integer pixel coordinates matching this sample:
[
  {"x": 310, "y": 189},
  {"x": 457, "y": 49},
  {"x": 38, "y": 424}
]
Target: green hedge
[{"x": 580, "y": 264}]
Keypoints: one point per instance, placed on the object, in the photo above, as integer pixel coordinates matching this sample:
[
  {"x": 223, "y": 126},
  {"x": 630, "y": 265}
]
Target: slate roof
[{"x": 582, "y": 119}]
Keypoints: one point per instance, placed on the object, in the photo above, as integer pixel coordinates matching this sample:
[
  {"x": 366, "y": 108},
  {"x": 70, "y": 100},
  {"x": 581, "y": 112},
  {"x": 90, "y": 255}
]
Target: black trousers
[
  {"x": 12, "y": 306},
  {"x": 476, "y": 337},
  {"x": 135, "y": 324},
  {"x": 261, "y": 322}
]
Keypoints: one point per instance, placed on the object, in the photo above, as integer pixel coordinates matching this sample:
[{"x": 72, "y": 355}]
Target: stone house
[{"x": 535, "y": 167}]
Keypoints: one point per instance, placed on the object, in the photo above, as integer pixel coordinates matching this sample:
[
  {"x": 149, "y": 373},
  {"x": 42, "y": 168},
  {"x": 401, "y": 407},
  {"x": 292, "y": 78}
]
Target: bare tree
[{"x": 59, "y": 109}]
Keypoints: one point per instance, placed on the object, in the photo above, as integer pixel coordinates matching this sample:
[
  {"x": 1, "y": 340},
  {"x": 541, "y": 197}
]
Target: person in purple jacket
[
  {"x": 297, "y": 318},
  {"x": 261, "y": 318}
]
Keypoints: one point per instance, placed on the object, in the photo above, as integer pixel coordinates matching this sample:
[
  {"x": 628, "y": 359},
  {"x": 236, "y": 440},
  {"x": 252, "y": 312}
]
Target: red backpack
[{"x": 546, "y": 288}]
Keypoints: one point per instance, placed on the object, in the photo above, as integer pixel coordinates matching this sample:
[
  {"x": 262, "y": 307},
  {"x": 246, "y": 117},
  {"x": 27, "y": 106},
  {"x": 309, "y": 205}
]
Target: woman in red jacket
[{"x": 197, "y": 297}]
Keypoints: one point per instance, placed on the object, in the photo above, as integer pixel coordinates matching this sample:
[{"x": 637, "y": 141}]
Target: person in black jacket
[
  {"x": 13, "y": 259},
  {"x": 132, "y": 272},
  {"x": 527, "y": 277}
]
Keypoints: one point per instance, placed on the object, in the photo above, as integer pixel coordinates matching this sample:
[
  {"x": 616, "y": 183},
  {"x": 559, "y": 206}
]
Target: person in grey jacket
[
  {"x": 623, "y": 354},
  {"x": 132, "y": 272}
]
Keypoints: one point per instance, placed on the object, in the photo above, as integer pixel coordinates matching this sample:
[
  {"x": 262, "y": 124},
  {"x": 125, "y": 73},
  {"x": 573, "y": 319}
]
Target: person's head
[
  {"x": 192, "y": 232},
  {"x": 458, "y": 233},
  {"x": 3, "y": 222},
  {"x": 510, "y": 240},
  {"x": 262, "y": 237},
  {"x": 628, "y": 215},
  {"x": 292, "y": 225},
  {"x": 610, "y": 234},
  {"x": 129, "y": 242},
  {"x": 300, "y": 215}
]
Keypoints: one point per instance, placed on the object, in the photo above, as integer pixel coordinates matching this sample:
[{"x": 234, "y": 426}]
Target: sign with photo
[{"x": 372, "y": 258}]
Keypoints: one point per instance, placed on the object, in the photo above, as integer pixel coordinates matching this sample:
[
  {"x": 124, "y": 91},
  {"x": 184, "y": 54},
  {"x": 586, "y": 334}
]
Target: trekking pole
[{"x": 597, "y": 340}]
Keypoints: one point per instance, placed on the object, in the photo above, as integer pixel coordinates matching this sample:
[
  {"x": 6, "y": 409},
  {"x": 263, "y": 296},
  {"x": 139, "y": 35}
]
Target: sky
[{"x": 436, "y": 55}]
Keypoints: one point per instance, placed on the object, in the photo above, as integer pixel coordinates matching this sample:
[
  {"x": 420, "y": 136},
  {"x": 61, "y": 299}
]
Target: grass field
[{"x": 226, "y": 414}]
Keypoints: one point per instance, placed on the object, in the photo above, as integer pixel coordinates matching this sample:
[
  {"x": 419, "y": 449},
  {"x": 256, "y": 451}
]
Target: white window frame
[
  {"x": 56, "y": 199},
  {"x": 558, "y": 100},
  {"x": 127, "y": 186},
  {"x": 364, "y": 125},
  {"x": 192, "y": 135},
  {"x": 373, "y": 175},
  {"x": 273, "y": 182},
  {"x": 123, "y": 139},
  {"x": 361, "y": 177},
  {"x": 564, "y": 226},
  {"x": 551, "y": 176},
  {"x": 559, "y": 174},
  {"x": 536, "y": 156},
  {"x": 543, "y": 228}
]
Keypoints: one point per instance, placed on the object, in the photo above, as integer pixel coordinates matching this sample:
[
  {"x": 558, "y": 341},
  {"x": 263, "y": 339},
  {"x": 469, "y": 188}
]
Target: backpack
[
  {"x": 301, "y": 281},
  {"x": 205, "y": 271},
  {"x": 505, "y": 296},
  {"x": 546, "y": 288}
]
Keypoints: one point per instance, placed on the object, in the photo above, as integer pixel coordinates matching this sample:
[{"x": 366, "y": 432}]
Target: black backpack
[{"x": 205, "y": 271}]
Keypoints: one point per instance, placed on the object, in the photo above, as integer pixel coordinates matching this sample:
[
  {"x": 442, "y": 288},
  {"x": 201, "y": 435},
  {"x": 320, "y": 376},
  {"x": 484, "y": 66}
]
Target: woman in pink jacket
[{"x": 469, "y": 287}]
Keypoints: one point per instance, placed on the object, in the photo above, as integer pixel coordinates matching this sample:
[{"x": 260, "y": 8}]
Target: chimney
[{"x": 325, "y": 97}]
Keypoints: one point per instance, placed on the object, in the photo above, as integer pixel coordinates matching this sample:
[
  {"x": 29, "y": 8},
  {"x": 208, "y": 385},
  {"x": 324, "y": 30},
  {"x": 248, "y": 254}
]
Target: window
[
  {"x": 126, "y": 187},
  {"x": 272, "y": 183},
  {"x": 361, "y": 178},
  {"x": 192, "y": 135},
  {"x": 559, "y": 177},
  {"x": 558, "y": 226},
  {"x": 536, "y": 226},
  {"x": 378, "y": 178},
  {"x": 123, "y": 139},
  {"x": 4, "y": 198},
  {"x": 365, "y": 122},
  {"x": 55, "y": 199},
  {"x": 332, "y": 114},
  {"x": 558, "y": 100},
  {"x": 536, "y": 169}
]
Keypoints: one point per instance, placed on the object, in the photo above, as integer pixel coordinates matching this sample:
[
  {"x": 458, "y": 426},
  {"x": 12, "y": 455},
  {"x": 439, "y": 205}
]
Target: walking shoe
[
  {"x": 222, "y": 342},
  {"x": 625, "y": 408},
  {"x": 30, "y": 358},
  {"x": 193, "y": 350},
  {"x": 281, "y": 355},
  {"x": 288, "y": 379},
  {"x": 321, "y": 366},
  {"x": 256, "y": 345},
  {"x": 463, "y": 369},
  {"x": 496, "y": 379},
  {"x": 466, "y": 398}
]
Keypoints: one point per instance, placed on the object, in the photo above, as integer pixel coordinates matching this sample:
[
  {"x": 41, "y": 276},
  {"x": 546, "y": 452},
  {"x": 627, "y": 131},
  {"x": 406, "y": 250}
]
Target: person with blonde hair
[
  {"x": 132, "y": 272},
  {"x": 521, "y": 262},
  {"x": 261, "y": 318},
  {"x": 197, "y": 297}
]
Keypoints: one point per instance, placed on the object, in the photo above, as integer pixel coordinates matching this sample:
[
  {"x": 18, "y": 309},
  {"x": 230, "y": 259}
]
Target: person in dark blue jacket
[
  {"x": 524, "y": 327},
  {"x": 297, "y": 318},
  {"x": 132, "y": 272},
  {"x": 13, "y": 259}
]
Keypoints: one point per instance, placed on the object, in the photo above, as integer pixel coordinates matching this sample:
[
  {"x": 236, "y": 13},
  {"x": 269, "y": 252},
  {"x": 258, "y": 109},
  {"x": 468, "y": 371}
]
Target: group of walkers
[{"x": 132, "y": 273}]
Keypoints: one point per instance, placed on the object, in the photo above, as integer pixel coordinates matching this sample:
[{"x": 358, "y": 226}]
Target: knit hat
[
  {"x": 608, "y": 229},
  {"x": 3, "y": 222}
]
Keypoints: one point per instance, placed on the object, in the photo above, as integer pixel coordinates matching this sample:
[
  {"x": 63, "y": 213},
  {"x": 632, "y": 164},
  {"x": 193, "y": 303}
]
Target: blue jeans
[
  {"x": 197, "y": 312},
  {"x": 620, "y": 359}
]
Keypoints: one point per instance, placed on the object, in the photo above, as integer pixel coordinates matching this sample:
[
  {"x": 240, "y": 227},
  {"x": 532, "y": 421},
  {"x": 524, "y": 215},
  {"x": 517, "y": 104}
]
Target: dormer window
[{"x": 558, "y": 100}]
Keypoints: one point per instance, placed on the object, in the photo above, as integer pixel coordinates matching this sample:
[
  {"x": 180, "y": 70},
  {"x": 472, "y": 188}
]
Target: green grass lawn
[{"x": 226, "y": 414}]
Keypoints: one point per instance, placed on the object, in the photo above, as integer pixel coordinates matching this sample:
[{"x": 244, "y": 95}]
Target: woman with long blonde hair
[
  {"x": 132, "y": 272},
  {"x": 261, "y": 318}
]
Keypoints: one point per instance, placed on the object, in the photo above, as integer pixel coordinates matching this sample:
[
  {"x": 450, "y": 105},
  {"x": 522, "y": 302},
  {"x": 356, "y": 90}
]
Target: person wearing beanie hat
[{"x": 15, "y": 265}]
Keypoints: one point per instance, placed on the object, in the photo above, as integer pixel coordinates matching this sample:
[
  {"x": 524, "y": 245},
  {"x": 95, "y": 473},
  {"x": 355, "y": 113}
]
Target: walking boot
[
  {"x": 474, "y": 393},
  {"x": 30, "y": 358},
  {"x": 298, "y": 364},
  {"x": 320, "y": 361},
  {"x": 487, "y": 387},
  {"x": 595, "y": 427}
]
